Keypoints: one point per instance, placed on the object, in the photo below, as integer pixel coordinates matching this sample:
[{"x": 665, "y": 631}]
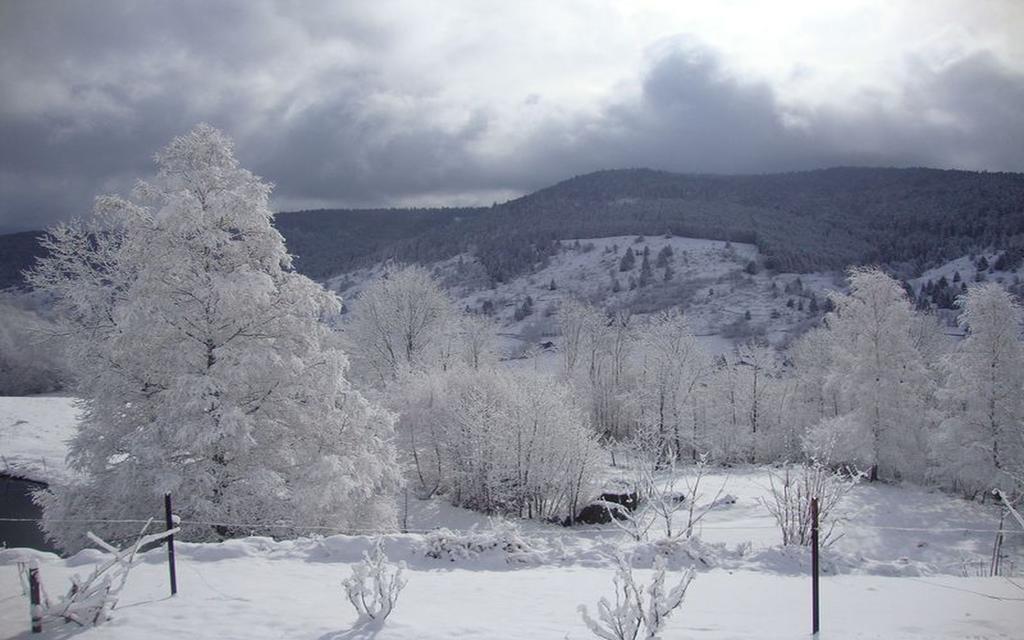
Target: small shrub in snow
[
  {"x": 639, "y": 611},
  {"x": 374, "y": 585},
  {"x": 667, "y": 494},
  {"x": 789, "y": 502},
  {"x": 464, "y": 545}
]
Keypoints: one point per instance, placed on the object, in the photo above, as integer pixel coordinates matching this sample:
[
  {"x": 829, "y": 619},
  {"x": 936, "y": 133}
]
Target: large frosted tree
[
  {"x": 880, "y": 380},
  {"x": 981, "y": 445},
  {"x": 204, "y": 365}
]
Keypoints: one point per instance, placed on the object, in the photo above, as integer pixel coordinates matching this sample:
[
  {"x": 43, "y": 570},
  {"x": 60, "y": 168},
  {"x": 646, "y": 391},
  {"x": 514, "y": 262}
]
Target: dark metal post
[
  {"x": 33, "y": 588},
  {"x": 170, "y": 544},
  {"x": 814, "y": 566}
]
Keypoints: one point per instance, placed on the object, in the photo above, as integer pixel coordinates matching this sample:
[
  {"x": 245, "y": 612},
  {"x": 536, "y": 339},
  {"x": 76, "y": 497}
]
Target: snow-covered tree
[
  {"x": 579, "y": 324},
  {"x": 476, "y": 339},
  {"x": 883, "y": 383},
  {"x": 983, "y": 438},
  {"x": 499, "y": 441},
  {"x": 596, "y": 349},
  {"x": 756, "y": 369},
  {"x": 672, "y": 364},
  {"x": 725, "y": 433},
  {"x": 814, "y": 400},
  {"x": 399, "y": 324},
  {"x": 204, "y": 365}
]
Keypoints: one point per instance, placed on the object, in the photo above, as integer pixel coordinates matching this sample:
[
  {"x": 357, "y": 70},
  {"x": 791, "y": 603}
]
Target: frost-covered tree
[
  {"x": 399, "y": 324},
  {"x": 498, "y": 441},
  {"x": 982, "y": 440},
  {"x": 476, "y": 339},
  {"x": 204, "y": 365},
  {"x": 672, "y": 364},
  {"x": 579, "y": 324},
  {"x": 756, "y": 369},
  {"x": 881, "y": 379}
]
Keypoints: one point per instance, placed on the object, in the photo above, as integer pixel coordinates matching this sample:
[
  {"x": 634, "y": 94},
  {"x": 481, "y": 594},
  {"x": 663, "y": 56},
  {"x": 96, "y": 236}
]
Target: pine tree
[
  {"x": 664, "y": 257},
  {"x": 646, "y": 273},
  {"x": 628, "y": 260},
  {"x": 203, "y": 365}
]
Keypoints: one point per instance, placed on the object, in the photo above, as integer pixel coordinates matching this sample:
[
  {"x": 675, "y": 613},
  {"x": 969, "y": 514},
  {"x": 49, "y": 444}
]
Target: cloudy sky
[{"x": 381, "y": 103}]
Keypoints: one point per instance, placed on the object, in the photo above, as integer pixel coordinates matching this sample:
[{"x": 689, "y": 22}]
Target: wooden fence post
[
  {"x": 33, "y": 589},
  {"x": 814, "y": 566},
  {"x": 170, "y": 544}
]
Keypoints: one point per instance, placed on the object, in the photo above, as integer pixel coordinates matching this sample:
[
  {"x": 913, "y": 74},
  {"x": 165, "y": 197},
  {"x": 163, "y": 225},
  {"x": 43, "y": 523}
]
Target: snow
[
  {"x": 907, "y": 566},
  {"x": 709, "y": 279},
  {"x": 33, "y": 435},
  {"x": 967, "y": 269},
  {"x": 257, "y": 589}
]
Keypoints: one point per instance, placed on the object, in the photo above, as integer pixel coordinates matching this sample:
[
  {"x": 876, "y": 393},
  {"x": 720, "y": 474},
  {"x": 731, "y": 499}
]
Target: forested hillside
[
  {"x": 808, "y": 221},
  {"x": 909, "y": 219}
]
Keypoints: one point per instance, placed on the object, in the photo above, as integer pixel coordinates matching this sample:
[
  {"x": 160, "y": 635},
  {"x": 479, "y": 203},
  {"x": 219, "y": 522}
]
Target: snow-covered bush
[
  {"x": 374, "y": 585},
  {"x": 205, "y": 365},
  {"x": 499, "y": 441},
  {"x": 639, "y": 611},
  {"x": 791, "y": 490},
  {"x": 670, "y": 495},
  {"x": 504, "y": 536}
]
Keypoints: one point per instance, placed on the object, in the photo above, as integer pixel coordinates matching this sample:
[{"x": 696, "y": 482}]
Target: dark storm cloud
[
  {"x": 692, "y": 116},
  {"x": 320, "y": 104}
]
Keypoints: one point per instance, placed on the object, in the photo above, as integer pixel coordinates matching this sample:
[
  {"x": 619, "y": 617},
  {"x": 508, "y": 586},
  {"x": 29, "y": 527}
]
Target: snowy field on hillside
[
  {"x": 708, "y": 277},
  {"x": 33, "y": 435},
  {"x": 909, "y": 564}
]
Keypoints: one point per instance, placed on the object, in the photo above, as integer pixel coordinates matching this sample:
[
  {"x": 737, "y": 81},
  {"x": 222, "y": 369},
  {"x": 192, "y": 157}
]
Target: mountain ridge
[{"x": 908, "y": 219}]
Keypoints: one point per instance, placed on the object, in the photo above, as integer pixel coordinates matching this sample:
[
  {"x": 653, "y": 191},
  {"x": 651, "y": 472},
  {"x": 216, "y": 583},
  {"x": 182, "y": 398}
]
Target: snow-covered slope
[
  {"x": 967, "y": 267},
  {"x": 720, "y": 285},
  {"x": 33, "y": 435}
]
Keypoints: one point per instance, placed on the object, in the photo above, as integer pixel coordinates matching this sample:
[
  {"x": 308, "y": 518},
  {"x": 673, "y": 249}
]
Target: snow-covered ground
[
  {"x": 33, "y": 435},
  {"x": 256, "y": 588},
  {"x": 907, "y": 566},
  {"x": 967, "y": 268}
]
